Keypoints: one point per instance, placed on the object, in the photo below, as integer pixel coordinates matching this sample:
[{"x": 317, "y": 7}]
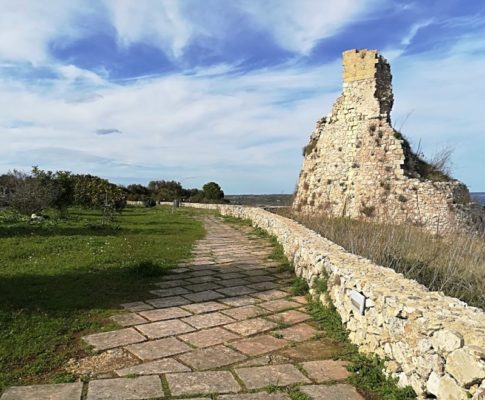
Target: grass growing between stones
[
  {"x": 61, "y": 279},
  {"x": 293, "y": 392},
  {"x": 454, "y": 265}
]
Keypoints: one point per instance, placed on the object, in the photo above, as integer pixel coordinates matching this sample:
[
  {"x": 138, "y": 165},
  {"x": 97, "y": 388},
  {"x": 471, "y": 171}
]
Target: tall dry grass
[{"x": 454, "y": 265}]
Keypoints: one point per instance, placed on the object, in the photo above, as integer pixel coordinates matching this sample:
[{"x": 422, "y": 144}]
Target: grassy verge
[
  {"x": 454, "y": 265},
  {"x": 60, "y": 279}
]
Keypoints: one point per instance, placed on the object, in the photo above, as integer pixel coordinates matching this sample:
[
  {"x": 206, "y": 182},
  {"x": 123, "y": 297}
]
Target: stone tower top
[
  {"x": 368, "y": 82},
  {"x": 365, "y": 64}
]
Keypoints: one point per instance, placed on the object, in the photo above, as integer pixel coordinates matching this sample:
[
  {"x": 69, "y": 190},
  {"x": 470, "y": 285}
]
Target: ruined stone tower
[{"x": 356, "y": 165}]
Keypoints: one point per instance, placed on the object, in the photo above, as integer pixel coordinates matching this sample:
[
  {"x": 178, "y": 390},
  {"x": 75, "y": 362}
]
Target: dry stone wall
[
  {"x": 357, "y": 165},
  {"x": 432, "y": 342}
]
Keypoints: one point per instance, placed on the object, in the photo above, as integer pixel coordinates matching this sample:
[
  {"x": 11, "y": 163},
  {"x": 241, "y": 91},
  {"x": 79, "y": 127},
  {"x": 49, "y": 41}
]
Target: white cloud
[
  {"x": 160, "y": 23},
  {"x": 298, "y": 25},
  {"x": 26, "y": 27},
  {"x": 173, "y": 126}
]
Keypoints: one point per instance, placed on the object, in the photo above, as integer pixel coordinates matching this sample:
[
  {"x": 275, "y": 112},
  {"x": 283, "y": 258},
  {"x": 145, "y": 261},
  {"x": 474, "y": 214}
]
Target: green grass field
[{"x": 61, "y": 279}]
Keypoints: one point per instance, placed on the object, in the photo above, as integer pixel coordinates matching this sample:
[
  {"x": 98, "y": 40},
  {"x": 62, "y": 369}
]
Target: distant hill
[
  {"x": 479, "y": 197},
  {"x": 261, "y": 200}
]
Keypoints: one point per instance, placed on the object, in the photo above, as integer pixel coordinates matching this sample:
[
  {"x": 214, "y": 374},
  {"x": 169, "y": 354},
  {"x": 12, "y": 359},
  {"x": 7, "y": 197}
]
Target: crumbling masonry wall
[{"x": 356, "y": 165}]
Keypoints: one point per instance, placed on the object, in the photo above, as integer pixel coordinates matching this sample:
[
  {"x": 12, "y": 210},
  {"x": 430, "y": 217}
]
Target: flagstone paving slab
[
  {"x": 234, "y": 282},
  {"x": 340, "y": 391},
  {"x": 189, "y": 383},
  {"x": 297, "y": 333},
  {"x": 63, "y": 391},
  {"x": 157, "y": 367},
  {"x": 264, "y": 285},
  {"x": 166, "y": 328},
  {"x": 128, "y": 319},
  {"x": 209, "y": 320},
  {"x": 154, "y": 349},
  {"x": 211, "y": 357},
  {"x": 232, "y": 275},
  {"x": 204, "y": 296},
  {"x": 279, "y": 305},
  {"x": 278, "y": 375},
  {"x": 137, "y": 306},
  {"x": 203, "y": 279},
  {"x": 168, "y": 302},
  {"x": 300, "y": 299},
  {"x": 326, "y": 370},
  {"x": 200, "y": 287},
  {"x": 290, "y": 317},
  {"x": 257, "y": 272},
  {"x": 209, "y": 337},
  {"x": 258, "y": 345},
  {"x": 110, "y": 340},
  {"x": 260, "y": 278},
  {"x": 313, "y": 350},
  {"x": 251, "y": 326},
  {"x": 175, "y": 291},
  {"x": 203, "y": 272},
  {"x": 236, "y": 291},
  {"x": 268, "y": 359},
  {"x": 161, "y": 314},
  {"x": 239, "y": 301},
  {"x": 271, "y": 294},
  {"x": 209, "y": 306},
  {"x": 143, "y": 387},
  {"x": 241, "y": 313}
]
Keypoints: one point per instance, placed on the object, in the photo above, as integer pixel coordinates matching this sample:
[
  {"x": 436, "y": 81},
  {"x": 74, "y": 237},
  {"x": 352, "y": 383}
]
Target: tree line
[{"x": 39, "y": 190}]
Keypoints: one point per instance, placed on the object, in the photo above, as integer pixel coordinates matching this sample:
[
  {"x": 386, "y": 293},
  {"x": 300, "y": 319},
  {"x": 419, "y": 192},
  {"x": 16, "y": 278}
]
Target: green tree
[
  {"x": 138, "y": 192},
  {"x": 94, "y": 192},
  {"x": 212, "y": 191},
  {"x": 27, "y": 194},
  {"x": 165, "y": 190},
  {"x": 60, "y": 185}
]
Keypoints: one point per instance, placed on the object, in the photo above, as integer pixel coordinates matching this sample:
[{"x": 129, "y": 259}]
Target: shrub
[
  {"x": 149, "y": 203},
  {"x": 309, "y": 148}
]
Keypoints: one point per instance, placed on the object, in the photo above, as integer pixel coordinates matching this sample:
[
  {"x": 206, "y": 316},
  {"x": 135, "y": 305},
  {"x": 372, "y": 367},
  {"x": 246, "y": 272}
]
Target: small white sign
[{"x": 358, "y": 301}]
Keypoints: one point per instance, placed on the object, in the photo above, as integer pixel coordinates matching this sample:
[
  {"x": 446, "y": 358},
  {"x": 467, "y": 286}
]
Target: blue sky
[{"x": 200, "y": 90}]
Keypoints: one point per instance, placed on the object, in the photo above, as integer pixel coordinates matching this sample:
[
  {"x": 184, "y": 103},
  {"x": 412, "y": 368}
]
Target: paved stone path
[{"x": 223, "y": 326}]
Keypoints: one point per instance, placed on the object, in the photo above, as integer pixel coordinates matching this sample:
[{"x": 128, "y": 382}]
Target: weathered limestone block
[
  {"x": 357, "y": 165},
  {"x": 466, "y": 365},
  {"x": 446, "y": 340},
  {"x": 446, "y": 388}
]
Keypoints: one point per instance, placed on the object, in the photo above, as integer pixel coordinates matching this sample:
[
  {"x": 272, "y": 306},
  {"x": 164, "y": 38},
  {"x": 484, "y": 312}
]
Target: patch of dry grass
[{"x": 454, "y": 265}]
